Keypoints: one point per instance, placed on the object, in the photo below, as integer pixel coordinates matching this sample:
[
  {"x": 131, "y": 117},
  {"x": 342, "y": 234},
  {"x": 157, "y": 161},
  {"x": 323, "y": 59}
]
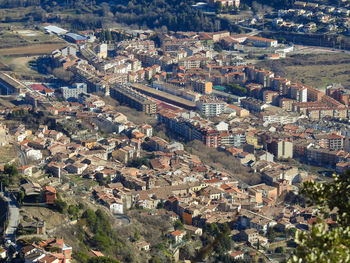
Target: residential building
[
  {"x": 262, "y": 42},
  {"x": 74, "y": 91},
  {"x": 134, "y": 99},
  {"x": 211, "y": 106}
]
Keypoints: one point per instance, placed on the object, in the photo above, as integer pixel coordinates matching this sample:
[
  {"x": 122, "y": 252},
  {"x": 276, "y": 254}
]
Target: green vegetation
[
  {"x": 107, "y": 35},
  {"x": 10, "y": 176},
  {"x": 137, "y": 162},
  {"x": 321, "y": 244},
  {"x": 60, "y": 205},
  {"x": 95, "y": 230},
  {"x": 216, "y": 238},
  {"x": 176, "y": 15},
  {"x": 178, "y": 224},
  {"x": 273, "y": 3},
  {"x": 237, "y": 89}
]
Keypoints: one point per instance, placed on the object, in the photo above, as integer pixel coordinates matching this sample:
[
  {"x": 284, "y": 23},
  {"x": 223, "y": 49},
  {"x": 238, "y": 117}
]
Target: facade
[
  {"x": 211, "y": 106},
  {"x": 281, "y": 149},
  {"x": 49, "y": 195},
  {"x": 74, "y": 91},
  {"x": 201, "y": 86},
  {"x": 262, "y": 42},
  {"x": 134, "y": 99}
]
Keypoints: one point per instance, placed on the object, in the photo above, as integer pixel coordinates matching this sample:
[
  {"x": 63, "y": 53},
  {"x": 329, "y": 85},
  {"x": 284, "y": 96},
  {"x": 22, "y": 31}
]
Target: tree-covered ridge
[{"x": 174, "y": 14}]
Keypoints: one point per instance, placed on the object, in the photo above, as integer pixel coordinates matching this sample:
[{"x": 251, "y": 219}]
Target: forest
[{"x": 176, "y": 15}]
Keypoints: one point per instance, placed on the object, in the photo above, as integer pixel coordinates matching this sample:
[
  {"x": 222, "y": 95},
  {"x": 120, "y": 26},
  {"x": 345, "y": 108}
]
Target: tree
[
  {"x": 279, "y": 250},
  {"x": 10, "y": 169},
  {"x": 178, "y": 224},
  {"x": 218, "y": 47},
  {"x": 237, "y": 89},
  {"x": 322, "y": 244},
  {"x": 21, "y": 196},
  {"x": 60, "y": 205}
]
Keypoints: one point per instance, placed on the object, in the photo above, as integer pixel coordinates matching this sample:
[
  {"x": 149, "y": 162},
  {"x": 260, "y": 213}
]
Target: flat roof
[
  {"x": 76, "y": 36},
  {"x": 55, "y": 29},
  {"x": 162, "y": 94}
]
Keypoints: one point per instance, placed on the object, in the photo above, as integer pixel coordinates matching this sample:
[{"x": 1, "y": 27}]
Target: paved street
[{"x": 13, "y": 218}]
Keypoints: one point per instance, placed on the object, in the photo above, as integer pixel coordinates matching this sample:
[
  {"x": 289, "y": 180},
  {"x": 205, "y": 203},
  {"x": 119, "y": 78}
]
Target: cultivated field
[
  {"x": 19, "y": 48},
  {"x": 317, "y": 70},
  {"x": 31, "y": 50}
]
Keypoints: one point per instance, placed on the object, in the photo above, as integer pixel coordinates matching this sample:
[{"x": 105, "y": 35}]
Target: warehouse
[{"x": 75, "y": 38}]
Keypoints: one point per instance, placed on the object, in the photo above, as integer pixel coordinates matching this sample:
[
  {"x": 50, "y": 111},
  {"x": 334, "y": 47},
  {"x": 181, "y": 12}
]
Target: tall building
[
  {"x": 281, "y": 149},
  {"x": 201, "y": 86},
  {"x": 211, "y": 106}
]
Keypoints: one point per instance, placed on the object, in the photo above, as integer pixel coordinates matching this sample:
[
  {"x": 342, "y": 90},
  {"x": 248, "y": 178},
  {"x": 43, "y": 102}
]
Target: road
[
  {"x": 122, "y": 220},
  {"x": 13, "y": 218},
  {"x": 21, "y": 156}
]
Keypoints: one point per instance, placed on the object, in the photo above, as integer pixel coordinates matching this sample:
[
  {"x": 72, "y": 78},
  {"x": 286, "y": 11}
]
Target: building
[
  {"x": 55, "y": 29},
  {"x": 102, "y": 51},
  {"x": 74, "y": 91},
  {"x": 250, "y": 235},
  {"x": 340, "y": 94},
  {"x": 49, "y": 195},
  {"x": 137, "y": 100},
  {"x": 201, "y": 86},
  {"x": 11, "y": 86},
  {"x": 210, "y": 106},
  {"x": 225, "y": 3},
  {"x": 281, "y": 149},
  {"x": 252, "y": 104},
  {"x": 261, "y": 42},
  {"x": 75, "y": 38},
  {"x": 177, "y": 236}
]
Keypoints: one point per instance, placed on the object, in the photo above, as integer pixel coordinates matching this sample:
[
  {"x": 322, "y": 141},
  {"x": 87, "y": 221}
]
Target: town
[{"x": 180, "y": 139}]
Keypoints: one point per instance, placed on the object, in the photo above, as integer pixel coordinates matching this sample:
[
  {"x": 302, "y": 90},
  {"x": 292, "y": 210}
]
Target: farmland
[{"x": 20, "y": 47}]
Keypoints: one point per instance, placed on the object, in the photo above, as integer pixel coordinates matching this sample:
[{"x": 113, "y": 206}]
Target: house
[
  {"x": 94, "y": 253},
  {"x": 142, "y": 245},
  {"x": 49, "y": 195},
  {"x": 55, "y": 168},
  {"x": 3, "y": 253},
  {"x": 37, "y": 227},
  {"x": 26, "y": 170},
  {"x": 31, "y": 189},
  {"x": 33, "y": 154},
  {"x": 250, "y": 235},
  {"x": 177, "y": 236},
  {"x": 194, "y": 231},
  {"x": 237, "y": 255},
  {"x": 62, "y": 250},
  {"x": 48, "y": 258},
  {"x": 77, "y": 168}
]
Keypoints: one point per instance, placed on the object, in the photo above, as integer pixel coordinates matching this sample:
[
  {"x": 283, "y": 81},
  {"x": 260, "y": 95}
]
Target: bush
[{"x": 61, "y": 205}]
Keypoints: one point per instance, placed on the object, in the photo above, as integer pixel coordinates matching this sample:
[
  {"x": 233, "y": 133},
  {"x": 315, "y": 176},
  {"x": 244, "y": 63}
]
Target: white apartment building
[{"x": 211, "y": 106}]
